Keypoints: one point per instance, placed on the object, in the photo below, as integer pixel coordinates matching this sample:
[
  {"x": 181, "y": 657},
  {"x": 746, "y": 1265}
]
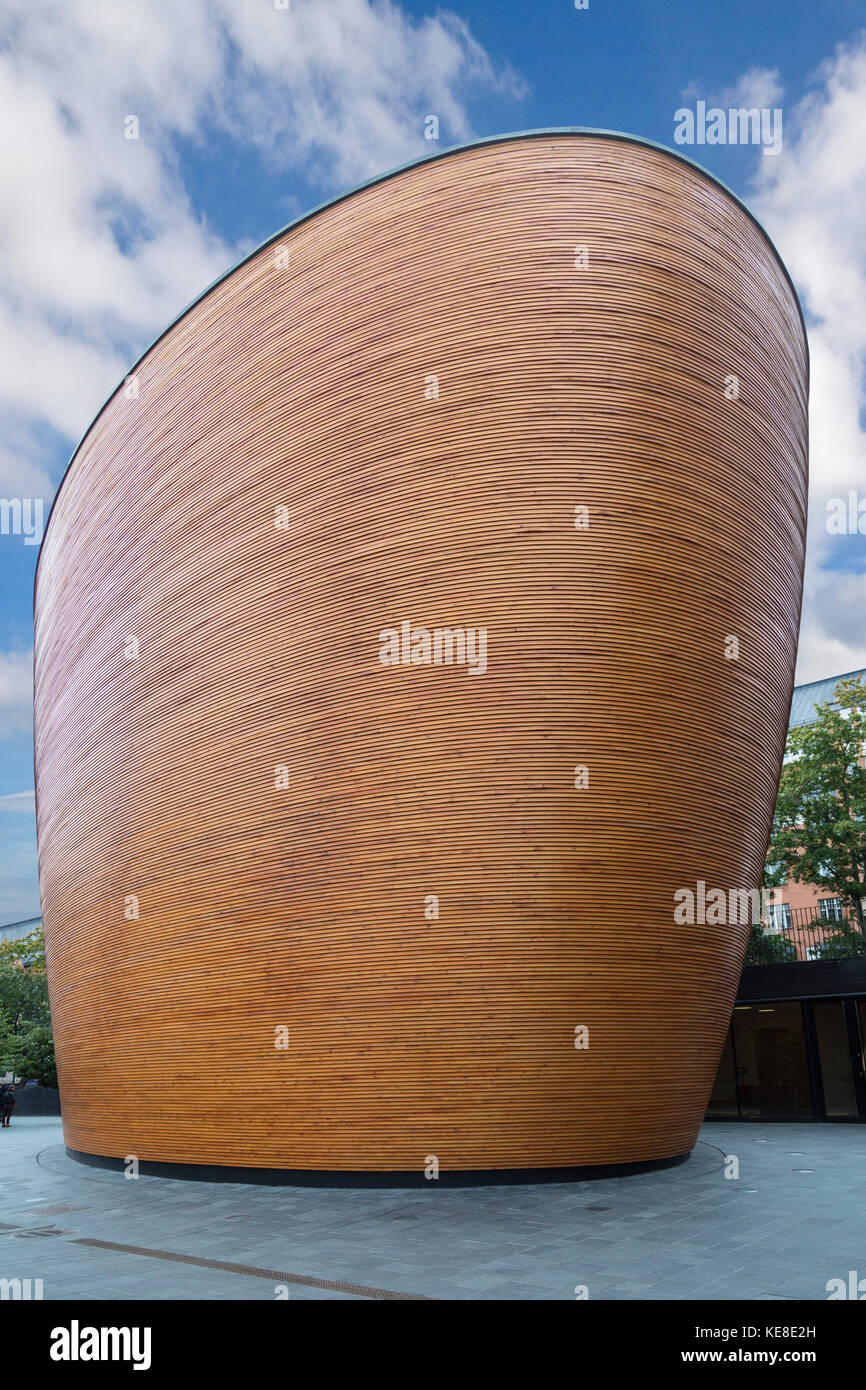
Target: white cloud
[
  {"x": 23, "y": 477},
  {"x": 758, "y": 87},
  {"x": 812, "y": 200},
  {"x": 811, "y": 197},
  {"x": 101, "y": 245},
  {"x": 346, "y": 84},
  {"x": 76, "y": 301},
  {"x": 19, "y": 801},
  {"x": 16, "y": 692}
]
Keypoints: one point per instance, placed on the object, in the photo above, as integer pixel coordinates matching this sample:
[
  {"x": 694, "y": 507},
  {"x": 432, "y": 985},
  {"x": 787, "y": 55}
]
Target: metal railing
[{"x": 807, "y": 933}]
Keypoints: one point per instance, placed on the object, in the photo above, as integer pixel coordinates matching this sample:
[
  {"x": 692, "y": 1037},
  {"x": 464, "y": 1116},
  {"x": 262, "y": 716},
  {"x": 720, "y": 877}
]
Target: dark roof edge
[{"x": 542, "y": 133}]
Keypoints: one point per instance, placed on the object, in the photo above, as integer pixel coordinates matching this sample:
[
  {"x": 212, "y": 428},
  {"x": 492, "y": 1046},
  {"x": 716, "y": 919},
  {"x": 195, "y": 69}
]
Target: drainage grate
[{"x": 276, "y": 1276}]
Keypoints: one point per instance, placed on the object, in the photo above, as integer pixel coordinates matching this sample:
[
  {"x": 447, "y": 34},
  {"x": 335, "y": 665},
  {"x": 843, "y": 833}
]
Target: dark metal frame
[{"x": 857, "y": 1048}]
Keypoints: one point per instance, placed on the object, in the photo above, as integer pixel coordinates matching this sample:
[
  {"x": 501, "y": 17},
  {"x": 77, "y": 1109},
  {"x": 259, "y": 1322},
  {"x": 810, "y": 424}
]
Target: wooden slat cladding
[{"x": 302, "y": 380}]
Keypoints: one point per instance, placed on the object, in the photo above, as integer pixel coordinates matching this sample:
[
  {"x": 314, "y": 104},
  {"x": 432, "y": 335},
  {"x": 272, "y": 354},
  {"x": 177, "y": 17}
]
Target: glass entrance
[
  {"x": 835, "y": 1061},
  {"x": 772, "y": 1068},
  {"x": 793, "y": 1060}
]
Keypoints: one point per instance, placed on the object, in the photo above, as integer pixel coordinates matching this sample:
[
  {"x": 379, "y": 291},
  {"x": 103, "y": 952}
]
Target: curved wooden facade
[{"x": 303, "y": 381}]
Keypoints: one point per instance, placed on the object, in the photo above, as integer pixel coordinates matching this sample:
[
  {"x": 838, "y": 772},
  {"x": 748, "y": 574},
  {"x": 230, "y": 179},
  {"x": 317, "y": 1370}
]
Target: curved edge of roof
[{"x": 541, "y": 133}]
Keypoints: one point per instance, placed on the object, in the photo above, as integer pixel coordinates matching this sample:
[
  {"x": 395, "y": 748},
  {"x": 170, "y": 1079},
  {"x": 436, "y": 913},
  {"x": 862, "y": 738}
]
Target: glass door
[
  {"x": 773, "y": 1081},
  {"x": 835, "y": 1060}
]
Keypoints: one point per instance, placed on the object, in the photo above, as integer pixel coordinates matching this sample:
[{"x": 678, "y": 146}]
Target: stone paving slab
[{"x": 687, "y": 1232}]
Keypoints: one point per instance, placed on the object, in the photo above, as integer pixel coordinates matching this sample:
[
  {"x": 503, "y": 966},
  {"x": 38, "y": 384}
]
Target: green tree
[
  {"x": 30, "y": 1055},
  {"x": 819, "y": 826},
  {"x": 846, "y": 941},
  {"x": 26, "y": 1043},
  {"x": 28, "y": 951},
  {"x": 23, "y": 997},
  {"x": 767, "y": 949}
]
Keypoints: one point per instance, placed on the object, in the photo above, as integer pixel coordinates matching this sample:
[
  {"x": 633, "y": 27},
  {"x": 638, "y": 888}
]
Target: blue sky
[{"x": 250, "y": 115}]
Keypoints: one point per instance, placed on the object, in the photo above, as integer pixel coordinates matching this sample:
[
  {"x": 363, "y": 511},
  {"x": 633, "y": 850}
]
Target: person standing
[{"x": 7, "y": 1105}]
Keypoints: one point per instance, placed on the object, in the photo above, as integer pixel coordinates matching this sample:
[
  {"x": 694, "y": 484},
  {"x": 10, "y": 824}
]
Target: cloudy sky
[{"x": 252, "y": 111}]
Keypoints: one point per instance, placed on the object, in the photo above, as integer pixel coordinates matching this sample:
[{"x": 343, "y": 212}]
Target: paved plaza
[{"x": 794, "y": 1218}]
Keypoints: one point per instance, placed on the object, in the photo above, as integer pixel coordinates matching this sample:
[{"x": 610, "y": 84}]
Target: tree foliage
[
  {"x": 28, "y": 951},
  {"x": 844, "y": 942},
  {"x": 23, "y": 997},
  {"x": 30, "y": 1055},
  {"x": 819, "y": 826},
  {"x": 26, "y": 1043},
  {"x": 765, "y": 948}
]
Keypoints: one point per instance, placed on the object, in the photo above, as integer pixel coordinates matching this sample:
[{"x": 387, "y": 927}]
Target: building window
[
  {"x": 780, "y": 916},
  {"x": 830, "y": 909}
]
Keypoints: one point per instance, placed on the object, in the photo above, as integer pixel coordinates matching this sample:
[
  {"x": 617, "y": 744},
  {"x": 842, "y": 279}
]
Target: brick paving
[{"x": 794, "y": 1218}]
